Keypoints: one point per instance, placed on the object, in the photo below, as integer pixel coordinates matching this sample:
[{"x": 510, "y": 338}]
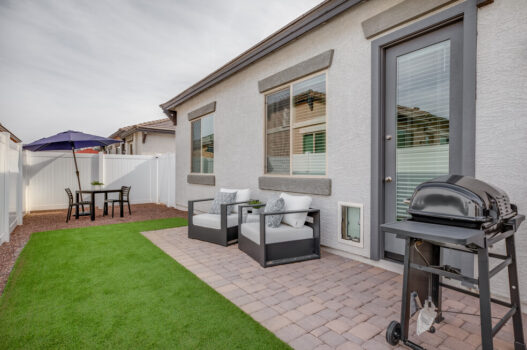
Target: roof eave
[{"x": 300, "y": 26}]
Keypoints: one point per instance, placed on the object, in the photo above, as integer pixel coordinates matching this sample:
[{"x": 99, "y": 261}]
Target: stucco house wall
[
  {"x": 501, "y": 130},
  {"x": 501, "y": 117},
  {"x": 154, "y": 144}
]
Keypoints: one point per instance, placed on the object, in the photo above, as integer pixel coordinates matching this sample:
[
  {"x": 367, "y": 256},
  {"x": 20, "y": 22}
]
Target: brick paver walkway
[{"x": 329, "y": 303}]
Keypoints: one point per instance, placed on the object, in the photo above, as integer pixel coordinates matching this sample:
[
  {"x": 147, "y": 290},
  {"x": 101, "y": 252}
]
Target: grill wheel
[{"x": 393, "y": 333}]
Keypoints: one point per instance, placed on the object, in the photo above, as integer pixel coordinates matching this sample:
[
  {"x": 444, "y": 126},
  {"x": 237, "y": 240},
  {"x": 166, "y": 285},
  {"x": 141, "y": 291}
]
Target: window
[
  {"x": 296, "y": 128},
  {"x": 202, "y": 158},
  {"x": 350, "y": 228}
]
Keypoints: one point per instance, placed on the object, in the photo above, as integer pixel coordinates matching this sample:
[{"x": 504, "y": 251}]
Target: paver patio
[{"x": 331, "y": 303}]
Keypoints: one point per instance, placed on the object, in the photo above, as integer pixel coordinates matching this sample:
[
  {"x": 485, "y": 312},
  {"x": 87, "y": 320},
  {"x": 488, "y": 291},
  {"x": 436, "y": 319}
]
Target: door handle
[{"x": 388, "y": 179}]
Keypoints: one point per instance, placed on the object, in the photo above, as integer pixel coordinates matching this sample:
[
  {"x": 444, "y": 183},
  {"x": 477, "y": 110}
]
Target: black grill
[
  {"x": 464, "y": 214},
  {"x": 462, "y": 201}
]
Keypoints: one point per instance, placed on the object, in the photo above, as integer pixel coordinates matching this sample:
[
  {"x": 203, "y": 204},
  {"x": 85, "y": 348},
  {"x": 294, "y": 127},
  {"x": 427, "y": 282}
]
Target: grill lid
[{"x": 460, "y": 200}]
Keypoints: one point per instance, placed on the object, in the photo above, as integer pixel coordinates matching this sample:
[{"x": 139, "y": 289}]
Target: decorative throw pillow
[
  {"x": 273, "y": 206},
  {"x": 222, "y": 198},
  {"x": 295, "y": 203},
  {"x": 241, "y": 196}
]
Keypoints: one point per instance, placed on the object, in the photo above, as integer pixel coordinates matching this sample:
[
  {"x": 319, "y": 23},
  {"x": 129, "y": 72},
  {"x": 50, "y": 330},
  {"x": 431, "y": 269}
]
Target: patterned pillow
[
  {"x": 273, "y": 206},
  {"x": 222, "y": 198}
]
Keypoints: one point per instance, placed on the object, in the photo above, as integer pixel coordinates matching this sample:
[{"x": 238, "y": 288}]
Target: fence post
[
  {"x": 157, "y": 179},
  {"x": 100, "y": 203},
  {"x": 27, "y": 167},
  {"x": 4, "y": 187},
  {"x": 173, "y": 180},
  {"x": 20, "y": 186}
]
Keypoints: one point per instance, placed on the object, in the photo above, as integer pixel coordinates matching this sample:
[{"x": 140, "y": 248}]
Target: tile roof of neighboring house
[
  {"x": 13, "y": 137},
  {"x": 87, "y": 151},
  {"x": 164, "y": 126},
  {"x": 315, "y": 17}
]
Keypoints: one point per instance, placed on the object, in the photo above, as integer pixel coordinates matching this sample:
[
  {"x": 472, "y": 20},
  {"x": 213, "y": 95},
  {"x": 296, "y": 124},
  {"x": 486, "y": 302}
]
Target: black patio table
[{"x": 92, "y": 204}]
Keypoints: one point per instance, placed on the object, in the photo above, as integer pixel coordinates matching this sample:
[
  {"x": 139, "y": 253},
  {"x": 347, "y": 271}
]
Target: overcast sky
[{"x": 95, "y": 66}]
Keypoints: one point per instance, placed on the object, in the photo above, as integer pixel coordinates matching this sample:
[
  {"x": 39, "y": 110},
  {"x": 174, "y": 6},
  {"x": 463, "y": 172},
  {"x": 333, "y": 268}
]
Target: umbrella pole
[{"x": 77, "y": 172}]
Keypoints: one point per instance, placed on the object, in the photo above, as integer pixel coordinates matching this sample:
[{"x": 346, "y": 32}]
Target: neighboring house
[
  {"x": 355, "y": 103},
  {"x": 154, "y": 137},
  {"x": 12, "y": 136}
]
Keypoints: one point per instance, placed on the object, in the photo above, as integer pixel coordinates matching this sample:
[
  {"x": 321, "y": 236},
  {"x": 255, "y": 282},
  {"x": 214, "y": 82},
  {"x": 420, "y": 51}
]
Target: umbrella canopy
[{"x": 68, "y": 140}]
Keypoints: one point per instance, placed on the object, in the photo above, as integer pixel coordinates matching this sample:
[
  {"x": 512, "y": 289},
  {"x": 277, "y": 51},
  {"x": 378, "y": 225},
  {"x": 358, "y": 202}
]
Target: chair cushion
[
  {"x": 222, "y": 198},
  {"x": 252, "y": 218},
  {"x": 243, "y": 195},
  {"x": 214, "y": 220},
  {"x": 295, "y": 203},
  {"x": 282, "y": 233},
  {"x": 273, "y": 206}
]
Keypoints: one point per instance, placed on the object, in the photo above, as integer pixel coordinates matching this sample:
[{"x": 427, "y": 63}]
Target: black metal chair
[
  {"x": 72, "y": 203},
  {"x": 124, "y": 197},
  {"x": 221, "y": 229},
  {"x": 279, "y": 251}
]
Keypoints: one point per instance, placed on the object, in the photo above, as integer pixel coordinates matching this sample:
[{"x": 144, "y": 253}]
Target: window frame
[
  {"x": 289, "y": 85},
  {"x": 211, "y": 114}
]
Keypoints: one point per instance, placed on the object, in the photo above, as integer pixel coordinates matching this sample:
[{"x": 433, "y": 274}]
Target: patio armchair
[
  {"x": 282, "y": 245},
  {"x": 72, "y": 203},
  {"x": 124, "y": 197},
  {"x": 220, "y": 229}
]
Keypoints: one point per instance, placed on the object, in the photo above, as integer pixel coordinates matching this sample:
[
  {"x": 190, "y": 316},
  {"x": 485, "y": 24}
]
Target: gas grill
[{"x": 464, "y": 214}]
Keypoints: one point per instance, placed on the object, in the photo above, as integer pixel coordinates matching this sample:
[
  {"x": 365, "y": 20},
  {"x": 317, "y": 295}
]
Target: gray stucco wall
[
  {"x": 501, "y": 110},
  {"x": 239, "y": 117},
  {"x": 239, "y": 122}
]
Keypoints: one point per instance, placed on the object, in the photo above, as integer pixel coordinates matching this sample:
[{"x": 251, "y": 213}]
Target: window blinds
[
  {"x": 309, "y": 127},
  {"x": 296, "y": 142},
  {"x": 423, "y": 112},
  {"x": 277, "y": 132}
]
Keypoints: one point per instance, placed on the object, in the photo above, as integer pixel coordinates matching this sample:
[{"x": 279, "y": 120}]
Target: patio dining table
[{"x": 92, "y": 193}]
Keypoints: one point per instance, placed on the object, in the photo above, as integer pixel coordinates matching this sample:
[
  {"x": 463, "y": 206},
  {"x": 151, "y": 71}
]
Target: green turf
[{"x": 109, "y": 287}]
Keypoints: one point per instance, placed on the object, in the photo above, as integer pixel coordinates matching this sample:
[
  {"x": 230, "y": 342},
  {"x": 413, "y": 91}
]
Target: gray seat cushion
[
  {"x": 214, "y": 220},
  {"x": 282, "y": 233}
]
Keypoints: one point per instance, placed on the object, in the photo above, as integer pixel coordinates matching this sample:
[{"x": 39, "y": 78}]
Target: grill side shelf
[{"x": 436, "y": 233}]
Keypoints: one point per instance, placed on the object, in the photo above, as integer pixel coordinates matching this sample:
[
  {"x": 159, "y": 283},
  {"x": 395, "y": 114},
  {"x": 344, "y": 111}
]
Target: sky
[{"x": 96, "y": 66}]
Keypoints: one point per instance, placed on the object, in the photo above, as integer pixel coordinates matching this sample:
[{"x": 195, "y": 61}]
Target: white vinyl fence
[
  {"x": 47, "y": 174},
  {"x": 11, "y": 186}
]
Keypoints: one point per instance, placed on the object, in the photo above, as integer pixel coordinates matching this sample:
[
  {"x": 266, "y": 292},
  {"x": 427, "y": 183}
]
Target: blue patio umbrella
[{"x": 69, "y": 140}]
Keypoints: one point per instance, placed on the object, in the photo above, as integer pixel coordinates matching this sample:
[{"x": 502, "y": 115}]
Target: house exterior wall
[
  {"x": 155, "y": 143},
  {"x": 239, "y": 119},
  {"x": 501, "y": 118},
  {"x": 239, "y": 122}
]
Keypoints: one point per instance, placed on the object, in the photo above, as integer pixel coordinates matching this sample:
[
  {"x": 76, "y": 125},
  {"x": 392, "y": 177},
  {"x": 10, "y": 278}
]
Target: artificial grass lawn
[{"x": 109, "y": 287}]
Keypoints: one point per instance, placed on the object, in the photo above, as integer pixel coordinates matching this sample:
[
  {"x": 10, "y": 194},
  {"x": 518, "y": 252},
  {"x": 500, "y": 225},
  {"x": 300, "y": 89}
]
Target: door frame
[{"x": 465, "y": 12}]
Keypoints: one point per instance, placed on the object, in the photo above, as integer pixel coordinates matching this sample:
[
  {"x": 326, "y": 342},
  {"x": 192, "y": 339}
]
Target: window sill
[
  {"x": 316, "y": 186},
  {"x": 201, "y": 179}
]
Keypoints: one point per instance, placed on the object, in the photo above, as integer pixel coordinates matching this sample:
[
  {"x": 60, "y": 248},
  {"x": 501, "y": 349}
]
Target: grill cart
[{"x": 468, "y": 215}]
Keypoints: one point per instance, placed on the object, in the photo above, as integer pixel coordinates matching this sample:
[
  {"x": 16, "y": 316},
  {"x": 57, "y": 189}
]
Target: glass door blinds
[{"x": 420, "y": 113}]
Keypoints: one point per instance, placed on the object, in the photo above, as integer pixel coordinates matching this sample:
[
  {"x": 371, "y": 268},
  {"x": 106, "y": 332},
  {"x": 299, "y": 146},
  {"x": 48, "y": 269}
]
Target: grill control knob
[{"x": 388, "y": 179}]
